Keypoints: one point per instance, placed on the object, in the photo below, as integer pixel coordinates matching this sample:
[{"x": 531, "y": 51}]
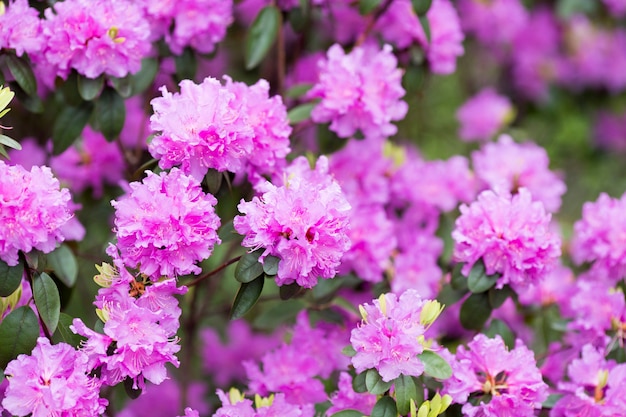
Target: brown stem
[
  {"x": 372, "y": 21},
  {"x": 213, "y": 272}
]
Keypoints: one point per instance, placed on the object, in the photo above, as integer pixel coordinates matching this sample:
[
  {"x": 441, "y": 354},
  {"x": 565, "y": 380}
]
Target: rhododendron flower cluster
[
  {"x": 501, "y": 381},
  {"x": 52, "y": 380},
  {"x": 388, "y": 338},
  {"x": 227, "y": 128},
  {"x": 33, "y": 211},
  {"x": 359, "y": 91},
  {"x": 598, "y": 237},
  {"x": 303, "y": 222},
  {"x": 95, "y": 37},
  {"x": 495, "y": 22},
  {"x": 166, "y": 224},
  {"x": 510, "y": 233},
  {"x": 234, "y": 404},
  {"x": 483, "y": 115},
  {"x": 20, "y": 28},
  {"x": 510, "y": 166}
]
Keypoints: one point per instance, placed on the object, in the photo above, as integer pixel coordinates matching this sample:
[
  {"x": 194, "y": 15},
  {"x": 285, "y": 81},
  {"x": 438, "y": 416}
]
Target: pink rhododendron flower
[
  {"x": 20, "y": 28},
  {"x": 234, "y": 405},
  {"x": 493, "y": 22},
  {"x": 345, "y": 398},
  {"x": 95, "y": 37},
  {"x": 387, "y": 338},
  {"x": 599, "y": 237},
  {"x": 505, "y": 382},
  {"x": 166, "y": 224},
  {"x": 228, "y": 128},
  {"x": 52, "y": 381},
  {"x": 92, "y": 162},
  {"x": 510, "y": 166},
  {"x": 483, "y": 115},
  {"x": 399, "y": 24},
  {"x": 33, "y": 211},
  {"x": 616, "y": 7},
  {"x": 164, "y": 400},
  {"x": 445, "y": 44},
  {"x": 359, "y": 91},
  {"x": 303, "y": 222},
  {"x": 512, "y": 236},
  {"x": 415, "y": 265},
  {"x": 30, "y": 155}
]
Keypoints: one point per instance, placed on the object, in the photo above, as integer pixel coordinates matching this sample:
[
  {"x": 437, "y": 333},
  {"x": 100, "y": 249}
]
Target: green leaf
[
  {"x": 478, "y": 281},
  {"x": 110, "y": 114},
  {"x": 551, "y": 401},
  {"x": 475, "y": 311},
  {"x": 47, "y": 300},
  {"x": 186, "y": 64},
  {"x": 280, "y": 313},
  {"x": 426, "y": 26},
  {"x": 358, "y": 383},
  {"x": 348, "y": 351},
  {"x": 10, "y": 277},
  {"x": 298, "y": 90},
  {"x": 213, "y": 180},
  {"x": 498, "y": 327},
  {"x": 10, "y": 142},
  {"x": 368, "y": 6},
  {"x": 498, "y": 297},
  {"x": 458, "y": 281},
  {"x": 249, "y": 268},
  {"x": 22, "y": 73},
  {"x": 448, "y": 295},
  {"x": 32, "y": 103},
  {"x": 375, "y": 384},
  {"x": 348, "y": 413},
  {"x": 133, "y": 393},
  {"x": 64, "y": 333},
  {"x": 300, "y": 113},
  {"x": 144, "y": 78},
  {"x": 123, "y": 86},
  {"x": 421, "y": 7},
  {"x": 247, "y": 297},
  {"x": 270, "y": 265},
  {"x": 68, "y": 125},
  {"x": 262, "y": 35},
  {"x": 64, "y": 264},
  {"x": 288, "y": 291},
  {"x": 90, "y": 88},
  {"x": 385, "y": 407},
  {"x": 227, "y": 232},
  {"x": 435, "y": 365},
  {"x": 18, "y": 332},
  {"x": 406, "y": 391}
]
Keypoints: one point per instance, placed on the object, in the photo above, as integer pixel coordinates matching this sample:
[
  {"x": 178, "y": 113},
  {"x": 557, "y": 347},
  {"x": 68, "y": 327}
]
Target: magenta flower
[
  {"x": 387, "y": 338},
  {"x": 491, "y": 380},
  {"x": 483, "y": 115},
  {"x": 33, "y": 211},
  {"x": 228, "y": 128},
  {"x": 415, "y": 264},
  {"x": 598, "y": 237},
  {"x": 616, "y": 7},
  {"x": 235, "y": 405},
  {"x": 399, "y": 24},
  {"x": 95, "y": 37},
  {"x": 512, "y": 236},
  {"x": 20, "y": 28},
  {"x": 359, "y": 91},
  {"x": 166, "y": 398},
  {"x": 92, "y": 163},
  {"x": 345, "y": 398},
  {"x": 494, "y": 23},
  {"x": 596, "y": 387},
  {"x": 52, "y": 380},
  {"x": 510, "y": 166},
  {"x": 446, "y": 37},
  {"x": 303, "y": 222},
  {"x": 166, "y": 224}
]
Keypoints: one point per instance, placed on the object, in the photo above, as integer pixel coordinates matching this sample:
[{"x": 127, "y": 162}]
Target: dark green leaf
[
  {"x": 280, "y": 313},
  {"x": 22, "y": 73},
  {"x": 348, "y": 413},
  {"x": 4, "y": 153},
  {"x": 421, "y": 7},
  {"x": 298, "y": 90},
  {"x": 406, "y": 391},
  {"x": 375, "y": 383},
  {"x": 552, "y": 399},
  {"x": 123, "y": 86},
  {"x": 426, "y": 26},
  {"x": 458, "y": 281},
  {"x": 435, "y": 365},
  {"x": 10, "y": 277},
  {"x": 478, "y": 280},
  {"x": 133, "y": 393},
  {"x": 262, "y": 35},
  {"x": 18, "y": 332},
  {"x": 498, "y": 297},
  {"x": 448, "y": 296},
  {"x": 385, "y": 407},
  {"x": 249, "y": 268},
  {"x": 213, "y": 180},
  {"x": 63, "y": 332},
  {"x": 68, "y": 125},
  {"x": 64, "y": 264},
  {"x": 348, "y": 351},
  {"x": 2, "y": 377},
  {"x": 498, "y": 327},
  {"x": 247, "y": 297},
  {"x": 186, "y": 65},
  {"x": 300, "y": 113},
  {"x": 47, "y": 300},
  {"x": 368, "y": 6},
  {"x": 358, "y": 383},
  {"x": 475, "y": 311},
  {"x": 298, "y": 17},
  {"x": 90, "y": 88},
  {"x": 32, "y": 103},
  {"x": 110, "y": 114},
  {"x": 144, "y": 78},
  {"x": 288, "y": 291},
  {"x": 270, "y": 265},
  {"x": 227, "y": 232}
]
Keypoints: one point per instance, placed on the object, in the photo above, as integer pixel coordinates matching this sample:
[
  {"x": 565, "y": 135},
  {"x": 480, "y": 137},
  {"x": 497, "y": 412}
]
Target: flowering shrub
[{"x": 283, "y": 208}]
